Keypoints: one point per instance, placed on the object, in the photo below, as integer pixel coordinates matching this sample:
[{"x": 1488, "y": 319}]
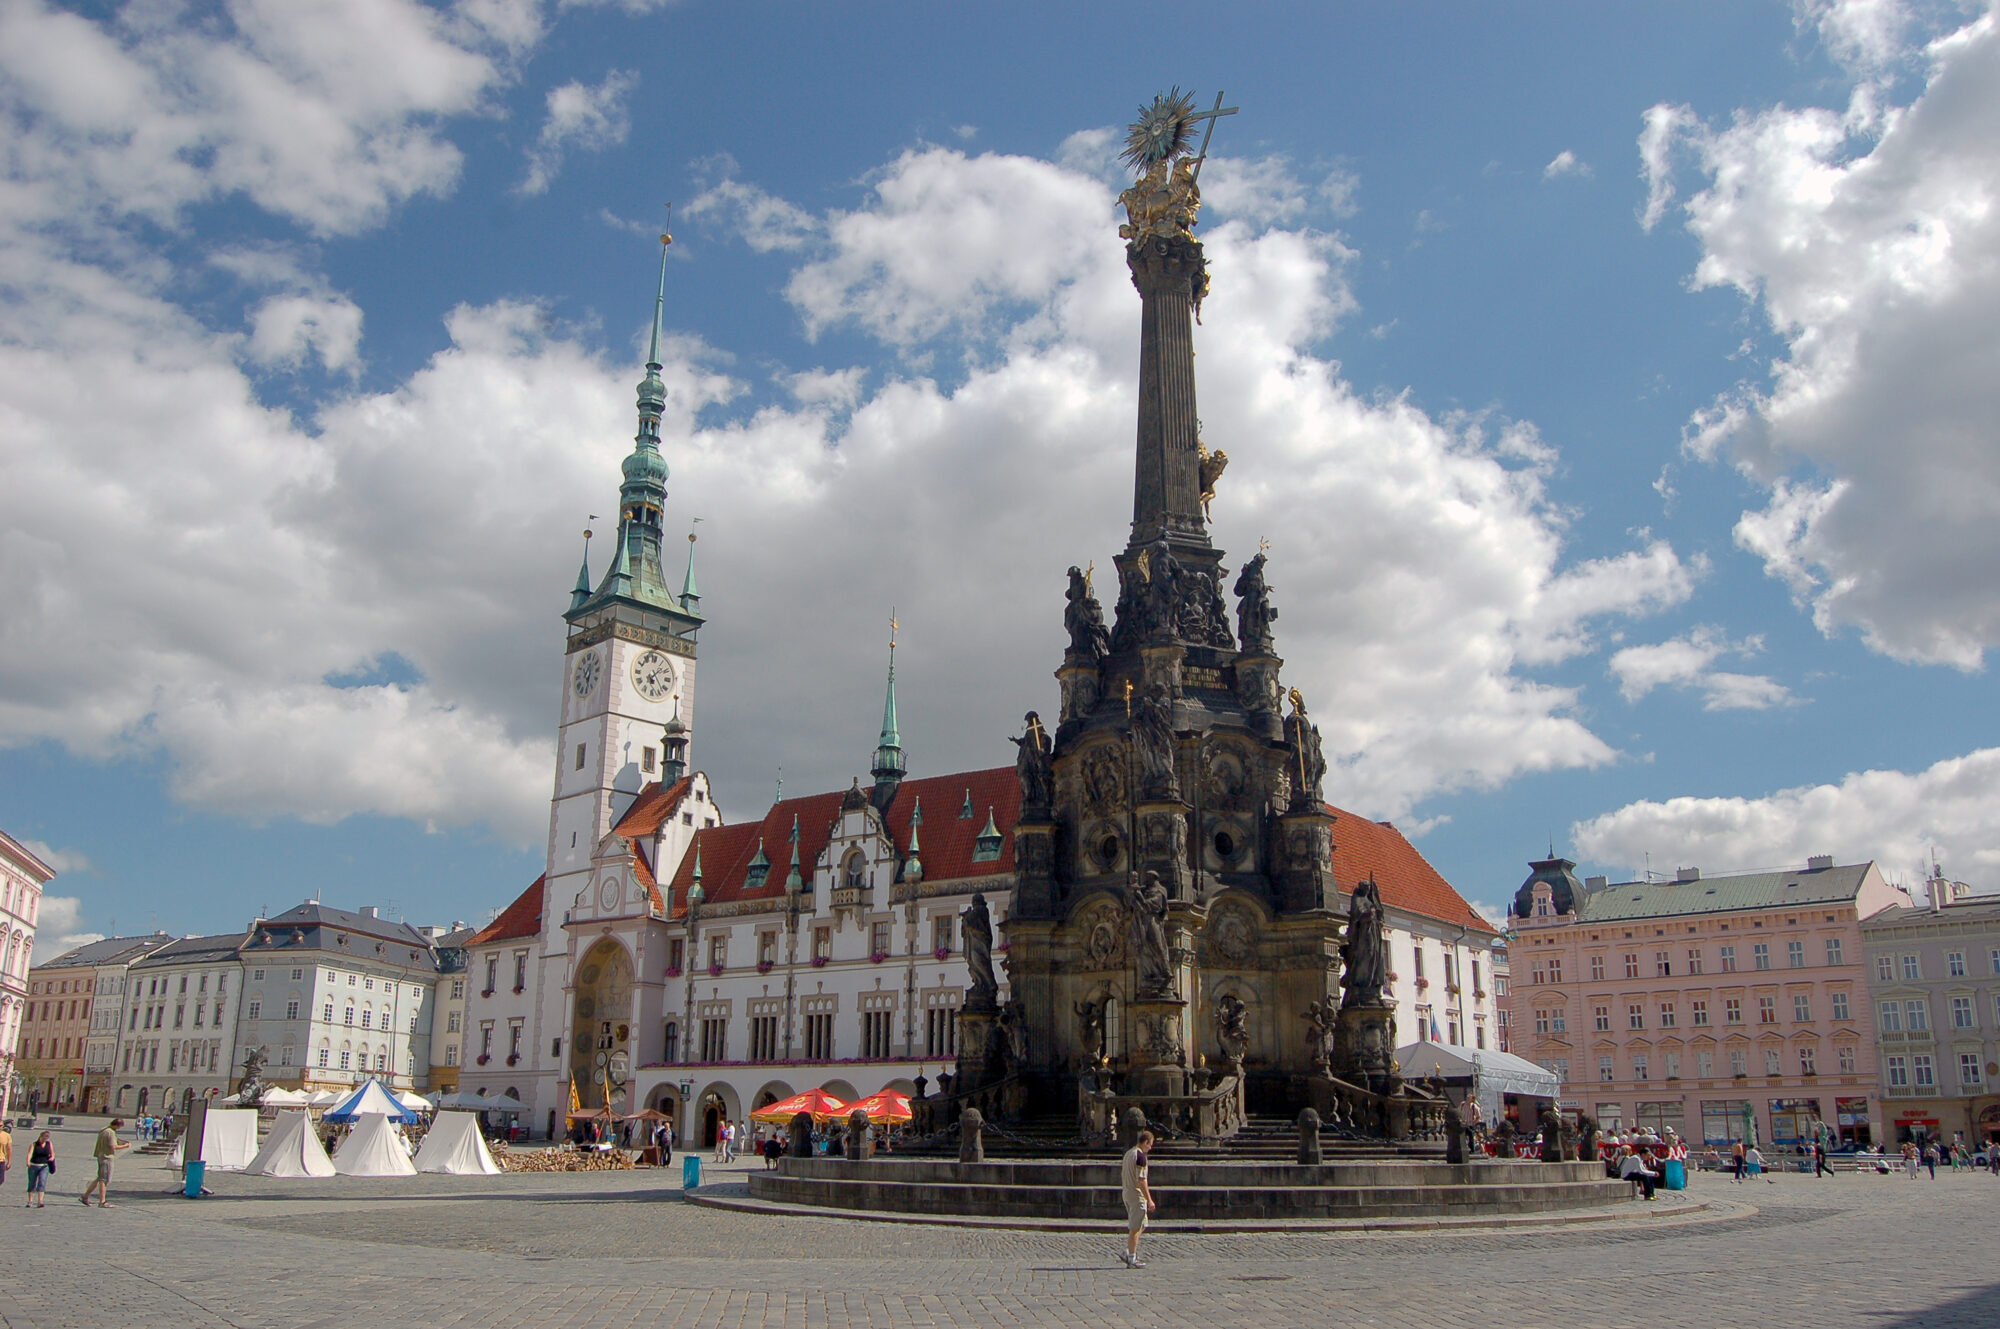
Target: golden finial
[
  {"x": 893, "y": 625},
  {"x": 1263, "y": 545},
  {"x": 1298, "y": 702},
  {"x": 665, "y": 238},
  {"x": 1086, "y": 574}
]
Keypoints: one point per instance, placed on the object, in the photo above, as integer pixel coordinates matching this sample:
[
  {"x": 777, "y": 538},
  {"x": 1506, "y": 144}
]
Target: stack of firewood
[{"x": 566, "y": 1160}]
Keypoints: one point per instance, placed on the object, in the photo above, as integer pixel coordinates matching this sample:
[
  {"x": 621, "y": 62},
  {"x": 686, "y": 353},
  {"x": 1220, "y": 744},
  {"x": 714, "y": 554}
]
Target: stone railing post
[
  {"x": 1310, "y": 1152},
  {"x": 800, "y": 1135},
  {"x": 857, "y": 1136},
  {"x": 1130, "y": 1123},
  {"x": 971, "y": 1136}
]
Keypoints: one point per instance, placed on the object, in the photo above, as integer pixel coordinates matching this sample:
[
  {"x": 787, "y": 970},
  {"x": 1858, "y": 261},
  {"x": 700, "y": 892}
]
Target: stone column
[{"x": 1166, "y": 497}]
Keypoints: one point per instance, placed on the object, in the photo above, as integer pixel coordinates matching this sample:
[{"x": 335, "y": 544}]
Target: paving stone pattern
[{"x": 605, "y": 1251}]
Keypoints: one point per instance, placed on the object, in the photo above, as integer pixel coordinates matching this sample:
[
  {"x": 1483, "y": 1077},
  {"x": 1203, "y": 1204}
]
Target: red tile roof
[
  {"x": 1364, "y": 848},
  {"x": 523, "y": 918},
  {"x": 650, "y": 810},
  {"x": 945, "y": 840}
]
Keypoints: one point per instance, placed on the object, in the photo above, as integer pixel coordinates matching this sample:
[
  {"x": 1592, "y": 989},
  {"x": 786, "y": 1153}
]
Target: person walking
[
  {"x": 41, "y": 1166},
  {"x": 1738, "y": 1162},
  {"x": 6, "y": 1151},
  {"x": 107, "y": 1148},
  {"x": 1931, "y": 1158},
  {"x": 1138, "y": 1196},
  {"x": 1821, "y": 1168}
]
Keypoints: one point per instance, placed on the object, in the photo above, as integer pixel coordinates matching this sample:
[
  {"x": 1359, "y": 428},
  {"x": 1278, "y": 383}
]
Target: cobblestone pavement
[{"x": 607, "y": 1250}]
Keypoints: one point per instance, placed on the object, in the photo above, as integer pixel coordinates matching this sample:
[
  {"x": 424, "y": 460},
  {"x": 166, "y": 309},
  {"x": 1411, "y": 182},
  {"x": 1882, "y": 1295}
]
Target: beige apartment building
[
  {"x": 1934, "y": 981},
  {"x": 1723, "y": 1007}
]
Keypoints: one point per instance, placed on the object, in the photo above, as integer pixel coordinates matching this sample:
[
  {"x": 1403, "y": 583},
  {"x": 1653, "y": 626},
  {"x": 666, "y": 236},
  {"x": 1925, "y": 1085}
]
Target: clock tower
[{"x": 630, "y": 659}]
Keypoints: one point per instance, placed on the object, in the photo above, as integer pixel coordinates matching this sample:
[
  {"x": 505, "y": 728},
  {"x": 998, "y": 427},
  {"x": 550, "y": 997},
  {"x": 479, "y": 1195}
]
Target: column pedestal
[{"x": 1156, "y": 1045}]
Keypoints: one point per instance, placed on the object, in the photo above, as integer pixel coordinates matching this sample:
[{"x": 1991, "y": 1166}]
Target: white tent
[
  {"x": 291, "y": 1150},
  {"x": 285, "y": 1098},
  {"x": 414, "y": 1102},
  {"x": 323, "y": 1098},
  {"x": 1490, "y": 1073},
  {"x": 375, "y": 1149},
  {"x": 454, "y": 1145},
  {"x": 228, "y": 1141},
  {"x": 483, "y": 1102}
]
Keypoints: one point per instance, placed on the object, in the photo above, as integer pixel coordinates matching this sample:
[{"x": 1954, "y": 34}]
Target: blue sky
[{"x": 1614, "y": 386}]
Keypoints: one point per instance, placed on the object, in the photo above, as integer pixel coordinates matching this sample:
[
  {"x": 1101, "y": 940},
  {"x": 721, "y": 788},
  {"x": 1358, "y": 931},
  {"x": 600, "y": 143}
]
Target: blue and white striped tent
[{"x": 370, "y": 1100}]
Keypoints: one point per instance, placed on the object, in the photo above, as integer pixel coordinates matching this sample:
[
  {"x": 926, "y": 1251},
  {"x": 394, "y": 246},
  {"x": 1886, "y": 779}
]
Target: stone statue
[
  {"x": 1253, "y": 608},
  {"x": 976, "y": 925},
  {"x": 1308, "y": 764},
  {"x": 1363, "y": 954},
  {"x": 1319, "y": 1018},
  {"x": 1162, "y": 203},
  {"x": 1209, "y": 467},
  {"x": 1090, "y": 1022},
  {"x": 1153, "y": 735},
  {"x": 1232, "y": 1029},
  {"x": 1032, "y": 765},
  {"x": 1586, "y": 1140},
  {"x": 1088, "y": 637},
  {"x": 251, "y": 1092},
  {"x": 1154, "y": 962},
  {"x": 1014, "y": 1032}
]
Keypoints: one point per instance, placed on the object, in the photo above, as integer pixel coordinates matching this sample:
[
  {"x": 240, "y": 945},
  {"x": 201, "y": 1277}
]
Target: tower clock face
[
  {"x": 653, "y": 675},
  {"x": 585, "y": 681}
]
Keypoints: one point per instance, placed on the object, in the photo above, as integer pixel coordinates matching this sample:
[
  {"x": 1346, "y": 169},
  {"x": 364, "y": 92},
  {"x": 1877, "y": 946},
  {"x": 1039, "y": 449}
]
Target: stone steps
[{"x": 1201, "y": 1191}]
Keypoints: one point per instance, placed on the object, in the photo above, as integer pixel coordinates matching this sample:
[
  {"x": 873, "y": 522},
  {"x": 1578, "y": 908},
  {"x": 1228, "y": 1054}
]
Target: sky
[{"x": 1615, "y": 387}]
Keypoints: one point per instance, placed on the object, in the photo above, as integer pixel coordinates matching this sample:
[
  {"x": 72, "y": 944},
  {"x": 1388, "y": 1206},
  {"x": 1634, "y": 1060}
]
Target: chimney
[
  {"x": 1819, "y": 862},
  {"x": 367, "y": 911},
  {"x": 1596, "y": 883},
  {"x": 1687, "y": 874}
]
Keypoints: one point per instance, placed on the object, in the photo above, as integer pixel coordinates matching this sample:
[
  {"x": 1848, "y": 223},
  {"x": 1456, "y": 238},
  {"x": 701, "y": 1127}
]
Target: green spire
[
  {"x": 888, "y": 769},
  {"x": 697, "y": 861},
  {"x": 581, "y": 591},
  {"x": 690, "y": 596},
  {"x": 793, "y": 879},
  {"x": 913, "y": 866}
]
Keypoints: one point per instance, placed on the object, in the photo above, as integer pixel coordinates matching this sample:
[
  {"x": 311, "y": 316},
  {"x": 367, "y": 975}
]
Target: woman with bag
[{"x": 41, "y": 1166}]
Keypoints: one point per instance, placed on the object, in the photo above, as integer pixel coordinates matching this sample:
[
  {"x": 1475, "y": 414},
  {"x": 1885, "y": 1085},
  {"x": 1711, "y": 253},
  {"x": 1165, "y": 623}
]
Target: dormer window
[
  {"x": 986, "y": 846},
  {"x": 760, "y": 869}
]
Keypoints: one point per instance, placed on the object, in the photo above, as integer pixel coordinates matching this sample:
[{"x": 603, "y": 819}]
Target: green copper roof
[
  {"x": 1713, "y": 895},
  {"x": 889, "y": 747}
]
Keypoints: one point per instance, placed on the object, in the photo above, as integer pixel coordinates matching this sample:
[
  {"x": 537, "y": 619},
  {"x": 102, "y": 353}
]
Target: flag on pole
[{"x": 575, "y": 1104}]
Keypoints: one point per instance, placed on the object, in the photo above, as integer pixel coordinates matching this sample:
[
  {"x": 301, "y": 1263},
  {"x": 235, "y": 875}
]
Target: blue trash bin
[
  {"x": 1675, "y": 1175},
  {"x": 195, "y": 1171},
  {"x": 690, "y": 1171}
]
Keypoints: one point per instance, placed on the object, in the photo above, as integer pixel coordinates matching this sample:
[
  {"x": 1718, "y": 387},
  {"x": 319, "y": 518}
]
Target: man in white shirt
[
  {"x": 1138, "y": 1196},
  {"x": 1634, "y": 1169}
]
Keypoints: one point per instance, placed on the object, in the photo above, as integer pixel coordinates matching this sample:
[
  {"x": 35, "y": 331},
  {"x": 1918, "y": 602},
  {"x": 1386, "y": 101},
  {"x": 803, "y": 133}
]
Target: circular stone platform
[{"x": 1209, "y": 1193}]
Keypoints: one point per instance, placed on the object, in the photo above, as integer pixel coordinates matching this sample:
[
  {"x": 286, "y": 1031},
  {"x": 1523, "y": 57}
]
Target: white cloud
[
  {"x": 318, "y": 110},
  {"x": 1258, "y": 190},
  {"x": 1685, "y": 662},
  {"x": 582, "y": 117},
  {"x": 57, "y": 930},
  {"x": 1897, "y": 818},
  {"x": 62, "y": 860},
  {"x": 1566, "y": 163},
  {"x": 1869, "y": 241},
  {"x": 1418, "y": 562},
  {"x": 760, "y": 219},
  {"x": 286, "y": 328}
]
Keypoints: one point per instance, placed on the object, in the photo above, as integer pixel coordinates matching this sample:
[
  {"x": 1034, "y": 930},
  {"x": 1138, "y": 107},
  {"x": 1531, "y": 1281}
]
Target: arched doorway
[
  {"x": 711, "y": 1123},
  {"x": 601, "y": 1028}
]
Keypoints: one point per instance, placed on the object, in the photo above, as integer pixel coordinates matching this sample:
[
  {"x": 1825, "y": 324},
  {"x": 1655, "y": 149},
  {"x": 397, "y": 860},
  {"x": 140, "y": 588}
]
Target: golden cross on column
[{"x": 893, "y": 625}]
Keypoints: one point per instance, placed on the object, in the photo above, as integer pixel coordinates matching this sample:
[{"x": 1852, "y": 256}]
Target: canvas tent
[
  {"x": 228, "y": 1140},
  {"x": 291, "y": 1150},
  {"x": 1485, "y": 1073},
  {"x": 414, "y": 1102},
  {"x": 482, "y": 1102},
  {"x": 374, "y": 1149},
  {"x": 370, "y": 1100},
  {"x": 285, "y": 1098},
  {"x": 454, "y": 1146}
]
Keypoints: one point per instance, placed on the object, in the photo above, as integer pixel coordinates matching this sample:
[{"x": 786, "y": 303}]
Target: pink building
[{"x": 1703, "y": 1003}]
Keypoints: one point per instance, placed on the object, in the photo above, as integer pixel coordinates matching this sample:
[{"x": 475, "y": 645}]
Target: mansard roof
[
  {"x": 1626, "y": 900},
  {"x": 110, "y": 950},
  {"x": 1364, "y": 848},
  {"x": 523, "y": 918},
  {"x": 726, "y": 851}
]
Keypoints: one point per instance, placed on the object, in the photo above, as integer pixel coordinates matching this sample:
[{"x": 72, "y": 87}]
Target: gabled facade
[{"x": 180, "y": 1036}]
